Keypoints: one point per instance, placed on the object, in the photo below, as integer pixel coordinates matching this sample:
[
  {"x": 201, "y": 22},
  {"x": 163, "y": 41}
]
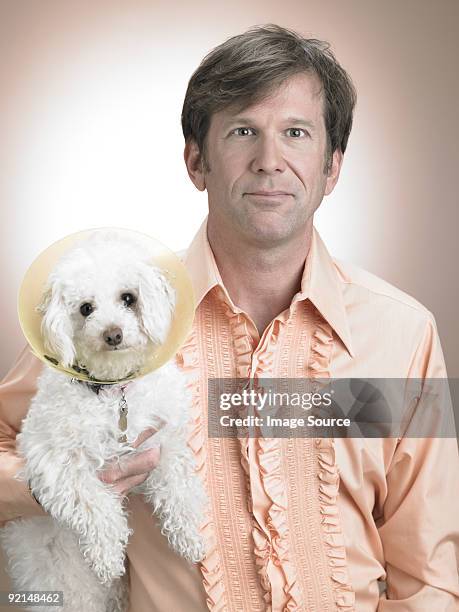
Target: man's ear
[
  {"x": 333, "y": 172},
  {"x": 194, "y": 164}
]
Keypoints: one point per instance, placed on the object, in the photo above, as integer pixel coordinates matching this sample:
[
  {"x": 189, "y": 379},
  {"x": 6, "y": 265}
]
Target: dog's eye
[
  {"x": 128, "y": 299},
  {"x": 86, "y": 309}
]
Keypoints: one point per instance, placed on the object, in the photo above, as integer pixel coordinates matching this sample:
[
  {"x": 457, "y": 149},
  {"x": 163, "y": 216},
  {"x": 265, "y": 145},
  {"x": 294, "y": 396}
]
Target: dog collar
[{"x": 123, "y": 408}]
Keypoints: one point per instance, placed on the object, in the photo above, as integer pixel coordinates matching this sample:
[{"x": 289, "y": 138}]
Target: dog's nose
[{"x": 113, "y": 336}]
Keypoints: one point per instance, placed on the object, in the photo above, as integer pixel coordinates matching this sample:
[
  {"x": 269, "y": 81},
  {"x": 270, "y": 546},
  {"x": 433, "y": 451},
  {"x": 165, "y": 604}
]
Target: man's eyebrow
[
  {"x": 238, "y": 119},
  {"x": 297, "y": 121}
]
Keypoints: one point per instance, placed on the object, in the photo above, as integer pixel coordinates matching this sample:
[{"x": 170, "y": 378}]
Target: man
[{"x": 292, "y": 524}]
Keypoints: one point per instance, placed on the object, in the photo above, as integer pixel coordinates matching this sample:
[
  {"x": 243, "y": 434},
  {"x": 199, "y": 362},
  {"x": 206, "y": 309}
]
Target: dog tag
[{"x": 122, "y": 422}]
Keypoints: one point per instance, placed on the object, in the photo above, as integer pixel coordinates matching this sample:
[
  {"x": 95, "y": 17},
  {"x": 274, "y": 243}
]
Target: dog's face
[{"x": 105, "y": 306}]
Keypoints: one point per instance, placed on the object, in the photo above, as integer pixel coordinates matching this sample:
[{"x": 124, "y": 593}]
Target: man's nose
[
  {"x": 113, "y": 336},
  {"x": 268, "y": 156}
]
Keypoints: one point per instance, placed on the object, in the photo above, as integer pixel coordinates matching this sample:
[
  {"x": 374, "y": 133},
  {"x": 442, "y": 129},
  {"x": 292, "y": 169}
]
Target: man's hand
[{"x": 132, "y": 471}]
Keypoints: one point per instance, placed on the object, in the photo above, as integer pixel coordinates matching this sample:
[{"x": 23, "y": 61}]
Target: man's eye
[
  {"x": 128, "y": 298},
  {"x": 243, "y": 131},
  {"x": 86, "y": 309},
  {"x": 296, "y": 132}
]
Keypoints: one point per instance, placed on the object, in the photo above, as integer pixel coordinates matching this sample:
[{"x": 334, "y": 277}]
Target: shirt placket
[{"x": 269, "y": 547}]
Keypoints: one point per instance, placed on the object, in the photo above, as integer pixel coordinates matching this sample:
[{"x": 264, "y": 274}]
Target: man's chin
[
  {"x": 267, "y": 234},
  {"x": 266, "y": 227}
]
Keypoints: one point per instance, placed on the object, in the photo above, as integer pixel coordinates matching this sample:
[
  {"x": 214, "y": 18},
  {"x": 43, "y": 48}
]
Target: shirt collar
[
  {"x": 320, "y": 283},
  {"x": 201, "y": 265}
]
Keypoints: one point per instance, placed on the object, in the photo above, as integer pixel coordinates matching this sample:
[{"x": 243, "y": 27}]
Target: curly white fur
[{"x": 71, "y": 432}]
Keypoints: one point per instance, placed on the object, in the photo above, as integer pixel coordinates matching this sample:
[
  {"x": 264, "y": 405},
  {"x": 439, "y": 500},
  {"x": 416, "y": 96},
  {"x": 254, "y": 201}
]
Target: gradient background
[{"x": 90, "y": 135}]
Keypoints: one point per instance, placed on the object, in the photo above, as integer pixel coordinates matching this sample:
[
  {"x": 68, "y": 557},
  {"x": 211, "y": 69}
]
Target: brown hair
[{"x": 247, "y": 67}]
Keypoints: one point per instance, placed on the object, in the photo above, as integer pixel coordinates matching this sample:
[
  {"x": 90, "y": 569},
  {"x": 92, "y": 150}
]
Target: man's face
[{"x": 266, "y": 164}]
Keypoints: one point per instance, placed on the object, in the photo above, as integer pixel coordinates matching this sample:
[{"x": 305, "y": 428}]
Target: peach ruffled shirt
[{"x": 294, "y": 524}]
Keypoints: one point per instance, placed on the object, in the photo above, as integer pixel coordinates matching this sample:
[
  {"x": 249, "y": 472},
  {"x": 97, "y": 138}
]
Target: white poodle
[{"x": 105, "y": 306}]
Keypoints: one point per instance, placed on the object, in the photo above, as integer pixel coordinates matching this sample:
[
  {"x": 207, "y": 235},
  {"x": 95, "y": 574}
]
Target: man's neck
[{"x": 261, "y": 281}]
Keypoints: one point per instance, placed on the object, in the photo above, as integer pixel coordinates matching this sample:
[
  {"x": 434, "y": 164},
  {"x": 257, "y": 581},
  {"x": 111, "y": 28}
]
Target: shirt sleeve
[
  {"x": 16, "y": 391},
  {"x": 419, "y": 528}
]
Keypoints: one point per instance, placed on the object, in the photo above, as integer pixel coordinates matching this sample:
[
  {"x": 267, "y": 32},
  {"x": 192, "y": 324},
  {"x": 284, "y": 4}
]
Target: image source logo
[{"x": 351, "y": 407}]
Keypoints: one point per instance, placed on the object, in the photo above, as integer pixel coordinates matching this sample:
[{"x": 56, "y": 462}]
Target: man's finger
[
  {"x": 146, "y": 433},
  {"x": 141, "y": 462},
  {"x": 124, "y": 486}
]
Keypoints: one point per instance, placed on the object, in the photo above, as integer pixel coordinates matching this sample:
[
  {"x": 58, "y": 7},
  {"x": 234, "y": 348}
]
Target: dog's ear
[
  {"x": 56, "y": 326},
  {"x": 156, "y": 302}
]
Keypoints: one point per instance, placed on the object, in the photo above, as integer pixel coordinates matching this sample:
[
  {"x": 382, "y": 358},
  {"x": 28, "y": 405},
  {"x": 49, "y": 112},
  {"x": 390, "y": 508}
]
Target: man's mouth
[{"x": 268, "y": 194}]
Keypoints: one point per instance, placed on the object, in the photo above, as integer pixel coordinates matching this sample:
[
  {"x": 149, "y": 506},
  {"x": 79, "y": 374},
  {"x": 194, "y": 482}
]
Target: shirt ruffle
[
  {"x": 268, "y": 457},
  {"x": 321, "y": 352},
  {"x": 241, "y": 340},
  {"x": 321, "y": 349},
  {"x": 269, "y": 461},
  {"x": 331, "y": 524},
  {"x": 211, "y": 568}
]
